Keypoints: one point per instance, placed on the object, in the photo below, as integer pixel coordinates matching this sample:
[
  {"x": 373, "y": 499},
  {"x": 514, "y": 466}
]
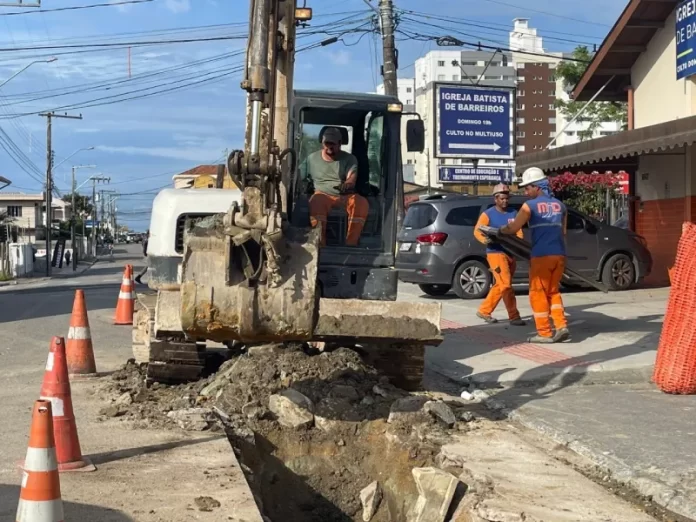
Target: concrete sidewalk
[
  {"x": 614, "y": 338},
  {"x": 592, "y": 394}
]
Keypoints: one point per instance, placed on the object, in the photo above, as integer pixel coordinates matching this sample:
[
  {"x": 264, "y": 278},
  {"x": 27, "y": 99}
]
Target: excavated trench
[{"x": 309, "y": 462}]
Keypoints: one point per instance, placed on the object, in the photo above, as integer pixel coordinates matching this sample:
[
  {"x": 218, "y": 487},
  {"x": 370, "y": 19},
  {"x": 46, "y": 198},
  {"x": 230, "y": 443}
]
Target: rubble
[
  {"x": 310, "y": 430},
  {"x": 206, "y": 503},
  {"x": 435, "y": 493},
  {"x": 193, "y": 419},
  {"x": 408, "y": 410},
  {"x": 370, "y": 497},
  {"x": 292, "y": 409},
  {"x": 441, "y": 411}
]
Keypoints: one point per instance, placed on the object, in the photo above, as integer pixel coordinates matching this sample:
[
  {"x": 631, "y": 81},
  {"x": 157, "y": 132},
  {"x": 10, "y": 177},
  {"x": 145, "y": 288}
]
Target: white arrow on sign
[{"x": 494, "y": 147}]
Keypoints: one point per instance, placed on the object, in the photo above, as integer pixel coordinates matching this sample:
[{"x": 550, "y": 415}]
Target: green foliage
[
  {"x": 4, "y": 218},
  {"x": 585, "y": 192},
  {"x": 82, "y": 204},
  {"x": 597, "y": 112}
]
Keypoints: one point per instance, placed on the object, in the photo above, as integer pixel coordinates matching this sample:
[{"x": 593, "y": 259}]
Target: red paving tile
[{"x": 531, "y": 352}]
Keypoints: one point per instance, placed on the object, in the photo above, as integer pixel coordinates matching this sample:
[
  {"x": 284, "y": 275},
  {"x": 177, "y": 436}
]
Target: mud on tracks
[{"x": 311, "y": 430}]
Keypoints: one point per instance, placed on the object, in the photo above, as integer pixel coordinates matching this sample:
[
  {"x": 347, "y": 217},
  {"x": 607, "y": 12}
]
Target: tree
[
  {"x": 5, "y": 218},
  {"x": 82, "y": 205},
  {"x": 597, "y": 112}
]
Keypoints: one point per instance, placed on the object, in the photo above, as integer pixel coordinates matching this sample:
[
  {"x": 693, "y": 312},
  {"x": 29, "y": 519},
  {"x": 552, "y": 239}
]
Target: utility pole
[
  {"x": 386, "y": 18},
  {"x": 95, "y": 180},
  {"x": 49, "y": 179}
]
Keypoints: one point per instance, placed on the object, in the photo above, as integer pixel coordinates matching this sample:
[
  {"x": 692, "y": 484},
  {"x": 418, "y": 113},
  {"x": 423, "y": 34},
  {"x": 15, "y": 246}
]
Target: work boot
[
  {"x": 538, "y": 339},
  {"x": 518, "y": 322},
  {"x": 487, "y": 318},
  {"x": 562, "y": 334}
]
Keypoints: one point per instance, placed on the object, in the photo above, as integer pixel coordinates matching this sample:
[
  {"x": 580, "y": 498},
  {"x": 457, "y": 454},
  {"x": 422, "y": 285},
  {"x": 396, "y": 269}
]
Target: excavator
[{"x": 240, "y": 264}]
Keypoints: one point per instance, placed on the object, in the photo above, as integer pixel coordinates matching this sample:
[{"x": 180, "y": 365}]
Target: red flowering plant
[{"x": 585, "y": 192}]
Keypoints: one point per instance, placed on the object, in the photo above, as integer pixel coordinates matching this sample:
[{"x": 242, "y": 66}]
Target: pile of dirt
[{"x": 311, "y": 429}]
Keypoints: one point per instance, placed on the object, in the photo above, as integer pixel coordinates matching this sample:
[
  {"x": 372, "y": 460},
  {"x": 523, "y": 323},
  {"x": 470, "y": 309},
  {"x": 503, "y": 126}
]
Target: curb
[
  {"x": 662, "y": 494},
  {"x": 637, "y": 375},
  {"x": 76, "y": 273}
]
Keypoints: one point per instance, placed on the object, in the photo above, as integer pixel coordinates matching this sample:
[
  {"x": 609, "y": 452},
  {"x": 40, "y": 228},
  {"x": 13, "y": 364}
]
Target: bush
[{"x": 585, "y": 192}]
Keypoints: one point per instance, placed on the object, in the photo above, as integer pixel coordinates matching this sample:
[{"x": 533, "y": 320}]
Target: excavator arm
[{"x": 264, "y": 287}]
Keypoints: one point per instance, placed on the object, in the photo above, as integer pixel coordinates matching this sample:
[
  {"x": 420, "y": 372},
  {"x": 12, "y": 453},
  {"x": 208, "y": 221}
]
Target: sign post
[
  {"x": 686, "y": 39},
  {"x": 475, "y": 122}
]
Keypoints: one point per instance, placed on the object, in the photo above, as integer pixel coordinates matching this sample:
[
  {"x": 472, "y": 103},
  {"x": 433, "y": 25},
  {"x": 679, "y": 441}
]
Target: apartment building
[
  {"x": 27, "y": 211},
  {"x": 406, "y": 89}
]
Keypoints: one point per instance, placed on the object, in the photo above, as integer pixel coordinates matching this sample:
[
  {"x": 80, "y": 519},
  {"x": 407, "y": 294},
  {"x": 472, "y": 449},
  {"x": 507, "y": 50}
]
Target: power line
[
  {"x": 127, "y": 44},
  {"x": 76, "y": 7},
  {"x": 525, "y": 8}
]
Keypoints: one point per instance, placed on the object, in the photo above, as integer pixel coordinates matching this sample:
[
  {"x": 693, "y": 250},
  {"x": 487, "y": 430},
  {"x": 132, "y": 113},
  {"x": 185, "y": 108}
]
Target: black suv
[{"x": 438, "y": 252}]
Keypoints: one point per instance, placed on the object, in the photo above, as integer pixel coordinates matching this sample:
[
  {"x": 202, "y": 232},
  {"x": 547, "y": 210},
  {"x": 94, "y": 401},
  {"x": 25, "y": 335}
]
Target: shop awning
[{"x": 655, "y": 138}]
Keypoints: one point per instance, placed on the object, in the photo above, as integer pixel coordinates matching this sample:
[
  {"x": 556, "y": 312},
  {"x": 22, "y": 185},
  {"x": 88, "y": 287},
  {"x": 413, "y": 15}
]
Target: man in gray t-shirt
[{"x": 334, "y": 174}]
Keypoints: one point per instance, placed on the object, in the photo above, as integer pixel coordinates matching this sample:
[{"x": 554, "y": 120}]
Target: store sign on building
[
  {"x": 686, "y": 39},
  {"x": 474, "y": 122},
  {"x": 473, "y": 175}
]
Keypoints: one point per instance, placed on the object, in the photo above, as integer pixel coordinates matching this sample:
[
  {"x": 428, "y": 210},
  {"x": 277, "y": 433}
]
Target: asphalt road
[{"x": 30, "y": 314}]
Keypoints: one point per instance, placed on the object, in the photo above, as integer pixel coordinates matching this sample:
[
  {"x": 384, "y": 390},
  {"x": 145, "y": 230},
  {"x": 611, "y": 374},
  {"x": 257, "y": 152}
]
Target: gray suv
[{"x": 438, "y": 251}]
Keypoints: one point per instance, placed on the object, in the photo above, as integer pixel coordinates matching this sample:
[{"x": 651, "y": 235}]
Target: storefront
[{"x": 639, "y": 64}]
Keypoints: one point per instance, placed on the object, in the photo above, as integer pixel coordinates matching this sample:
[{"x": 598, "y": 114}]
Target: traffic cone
[
  {"x": 79, "y": 351},
  {"x": 126, "y": 299},
  {"x": 56, "y": 388},
  {"x": 39, "y": 498}
]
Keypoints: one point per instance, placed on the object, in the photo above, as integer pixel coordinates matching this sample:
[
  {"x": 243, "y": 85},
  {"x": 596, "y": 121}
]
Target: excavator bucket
[{"x": 219, "y": 303}]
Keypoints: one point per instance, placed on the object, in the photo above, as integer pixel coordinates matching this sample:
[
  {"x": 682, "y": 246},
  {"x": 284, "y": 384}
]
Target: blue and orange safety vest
[{"x": 546, "y": 223}]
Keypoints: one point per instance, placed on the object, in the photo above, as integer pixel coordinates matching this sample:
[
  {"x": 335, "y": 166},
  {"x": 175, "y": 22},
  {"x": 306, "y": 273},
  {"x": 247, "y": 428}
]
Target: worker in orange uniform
[
  {"x": 547, "y": 218},
  {"x": 500, "y": 263},
  {"x": 334, "y": 174}
]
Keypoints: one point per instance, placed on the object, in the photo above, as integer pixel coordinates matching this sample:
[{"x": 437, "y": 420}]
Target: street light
[
  {"x": 53, "y": 59},
  {"x": 71, "y": 155},
  {"x": 6, "y": 182},
  {"x": 72, "y": 206}
]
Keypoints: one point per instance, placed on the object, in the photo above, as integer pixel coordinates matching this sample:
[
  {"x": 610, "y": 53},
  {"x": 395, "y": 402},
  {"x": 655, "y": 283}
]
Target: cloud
[
  {"x": 190, "y": 153},
  {"x": 178, "y": 6}
]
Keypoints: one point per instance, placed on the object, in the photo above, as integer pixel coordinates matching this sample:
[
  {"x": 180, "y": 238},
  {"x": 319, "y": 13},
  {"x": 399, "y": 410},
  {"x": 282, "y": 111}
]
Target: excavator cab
[{"x": 370, "y": 127}]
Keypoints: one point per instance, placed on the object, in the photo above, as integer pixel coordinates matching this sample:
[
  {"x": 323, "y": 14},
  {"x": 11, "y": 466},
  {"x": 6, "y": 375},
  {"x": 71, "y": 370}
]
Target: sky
[{"x": 153, "y": 106}]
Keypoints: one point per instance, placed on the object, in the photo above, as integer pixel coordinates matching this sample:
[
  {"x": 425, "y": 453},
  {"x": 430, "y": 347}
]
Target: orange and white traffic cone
[
  {"x": 126, "y": 299},
  {"x": 39, "y": 498},
  {"x": 56, "y": 389},
  {"x": 79, "y": 351}
]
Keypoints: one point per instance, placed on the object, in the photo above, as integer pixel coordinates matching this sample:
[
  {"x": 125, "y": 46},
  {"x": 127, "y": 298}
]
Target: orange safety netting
[{"x": 675, "y": 365}]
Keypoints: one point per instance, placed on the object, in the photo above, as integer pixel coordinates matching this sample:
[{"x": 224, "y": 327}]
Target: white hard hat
[
  {"x": 501, "y": 188},
  {"x": 532, "y": 175}
]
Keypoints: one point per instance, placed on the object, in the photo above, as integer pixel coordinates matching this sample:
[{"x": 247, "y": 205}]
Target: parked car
[{"x": 438, "y": 251}]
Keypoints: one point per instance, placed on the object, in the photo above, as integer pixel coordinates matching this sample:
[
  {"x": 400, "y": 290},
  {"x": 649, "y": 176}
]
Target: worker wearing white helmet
[
  {"x": 547, "y": 218},
  {"x": 501, "y": 265}
]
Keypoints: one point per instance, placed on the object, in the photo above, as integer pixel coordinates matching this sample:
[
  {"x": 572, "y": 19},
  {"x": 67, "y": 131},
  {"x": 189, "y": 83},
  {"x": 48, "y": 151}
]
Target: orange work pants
[
  {"x": 545, "y": 275},
  {"x": 503, "y": 268},
  {"x": 357, "y": 207}
]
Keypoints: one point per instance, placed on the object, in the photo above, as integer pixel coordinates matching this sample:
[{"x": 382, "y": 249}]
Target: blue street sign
[
  {"x": 475, "y": 122},
  {"x": 686, "y": 39},
  {"x": 88, "y": 223},
  {"x": 474, "y": 174}
]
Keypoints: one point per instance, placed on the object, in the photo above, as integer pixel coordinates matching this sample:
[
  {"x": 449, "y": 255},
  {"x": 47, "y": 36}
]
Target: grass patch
[{"x": 5, "y": 277}]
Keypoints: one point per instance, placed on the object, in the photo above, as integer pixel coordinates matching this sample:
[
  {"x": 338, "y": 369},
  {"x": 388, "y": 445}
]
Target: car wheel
[
  {"x": 619, "y": 272},
  {"x": 472, "y": 280},
  {"x": 435, "y": 290}
]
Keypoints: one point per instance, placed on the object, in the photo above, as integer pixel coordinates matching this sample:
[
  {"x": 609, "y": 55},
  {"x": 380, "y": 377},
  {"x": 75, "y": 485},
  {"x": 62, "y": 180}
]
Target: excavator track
[{"x": 175, "y": 360}]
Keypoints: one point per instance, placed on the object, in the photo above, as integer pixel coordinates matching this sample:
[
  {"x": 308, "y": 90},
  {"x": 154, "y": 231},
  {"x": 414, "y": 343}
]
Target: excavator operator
[
  {"x": 547, "y": 218},
  {"x": 502, "y": 265},
  {"x": 334, "y": 174}
]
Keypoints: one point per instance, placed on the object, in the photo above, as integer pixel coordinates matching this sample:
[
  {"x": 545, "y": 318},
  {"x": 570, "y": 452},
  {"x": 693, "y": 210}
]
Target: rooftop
[
  {"x": 627, "y": 39},
  {"x": 200, "y": 170}
]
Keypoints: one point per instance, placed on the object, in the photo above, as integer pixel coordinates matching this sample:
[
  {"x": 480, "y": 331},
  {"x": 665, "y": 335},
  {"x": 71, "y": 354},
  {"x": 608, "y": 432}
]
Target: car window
[
  {"x": 420, "y": 216},
  {"x": 575, "y": 222},
  {"x": 464, "y": 216}
]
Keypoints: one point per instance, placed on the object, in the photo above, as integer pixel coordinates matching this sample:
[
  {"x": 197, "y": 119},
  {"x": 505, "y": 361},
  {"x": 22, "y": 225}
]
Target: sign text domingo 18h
[
  {"x": 686, "y": 39},
  {"x": 475, "y": 122}
]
